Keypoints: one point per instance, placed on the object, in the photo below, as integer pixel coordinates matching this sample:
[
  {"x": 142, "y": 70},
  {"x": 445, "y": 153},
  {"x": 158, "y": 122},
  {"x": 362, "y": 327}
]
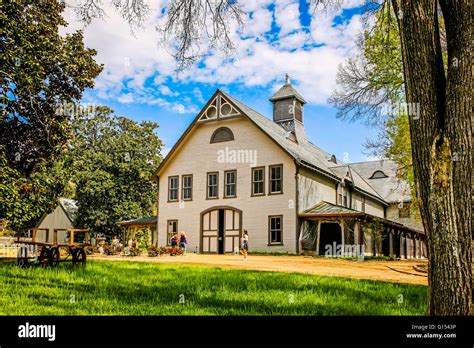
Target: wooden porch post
[
  {"x": 405, "y": 246},
  {"x": 414, "y": 245}
]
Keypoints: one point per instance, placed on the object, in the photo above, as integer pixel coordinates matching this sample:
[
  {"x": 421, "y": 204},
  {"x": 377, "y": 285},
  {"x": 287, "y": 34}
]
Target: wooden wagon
[{"x": 50, "y": 251}]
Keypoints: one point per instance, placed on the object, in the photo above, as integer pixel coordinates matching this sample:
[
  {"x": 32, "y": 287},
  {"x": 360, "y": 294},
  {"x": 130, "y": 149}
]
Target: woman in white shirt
[{"x": 245, "y": 244}]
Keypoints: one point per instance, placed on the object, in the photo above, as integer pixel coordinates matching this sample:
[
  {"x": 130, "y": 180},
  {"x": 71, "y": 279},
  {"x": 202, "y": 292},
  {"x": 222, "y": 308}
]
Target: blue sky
[{"x": 279, "y": 37}]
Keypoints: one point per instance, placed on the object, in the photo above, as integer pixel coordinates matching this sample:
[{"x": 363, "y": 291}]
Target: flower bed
[{"x": 154, "y": 251}]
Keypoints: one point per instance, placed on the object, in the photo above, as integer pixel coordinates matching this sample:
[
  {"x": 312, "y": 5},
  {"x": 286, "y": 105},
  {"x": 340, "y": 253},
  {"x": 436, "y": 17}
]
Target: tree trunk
[{"x": 441, "y": 135}]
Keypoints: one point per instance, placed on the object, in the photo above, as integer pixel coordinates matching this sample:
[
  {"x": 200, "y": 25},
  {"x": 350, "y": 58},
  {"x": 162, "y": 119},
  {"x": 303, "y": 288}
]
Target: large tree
[
  {"x": 113, "y": 159},
  {"x": 441, "y": 137},
  {"x": 435, "y": 47},
  {"x": 40, "y": 72}
]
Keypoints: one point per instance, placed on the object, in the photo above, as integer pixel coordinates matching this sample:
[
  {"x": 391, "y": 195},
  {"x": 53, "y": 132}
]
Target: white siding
[
  {"x": 314, "y": 188},
  {"x": 197, "y": 156}
]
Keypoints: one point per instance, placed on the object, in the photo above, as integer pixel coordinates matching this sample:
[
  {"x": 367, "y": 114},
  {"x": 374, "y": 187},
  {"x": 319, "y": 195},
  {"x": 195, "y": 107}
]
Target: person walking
[
  {"x": 183, "y": 242},
  {"x": 245, "y": 244}
]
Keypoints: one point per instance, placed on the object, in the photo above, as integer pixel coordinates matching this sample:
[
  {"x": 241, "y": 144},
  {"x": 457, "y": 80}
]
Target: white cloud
[
  {"x": 287, "y": 16},
  {"x": 165, "y": 90},
  {"x": 293, "y": 41},
  {"x": 258, "y": 23},
  {"x": 132, "y": 61}
]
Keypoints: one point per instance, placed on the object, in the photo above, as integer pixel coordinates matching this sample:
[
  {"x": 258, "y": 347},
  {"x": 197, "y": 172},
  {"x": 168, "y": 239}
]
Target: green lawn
[{"x": 136, "y": 288}]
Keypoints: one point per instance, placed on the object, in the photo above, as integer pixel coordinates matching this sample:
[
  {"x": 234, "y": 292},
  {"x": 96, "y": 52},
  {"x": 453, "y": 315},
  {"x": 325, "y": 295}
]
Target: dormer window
[
  {"x": 378, "y": 174},
  {"x": 222, "y": 134},
  {"x": 333, "y": 159}
]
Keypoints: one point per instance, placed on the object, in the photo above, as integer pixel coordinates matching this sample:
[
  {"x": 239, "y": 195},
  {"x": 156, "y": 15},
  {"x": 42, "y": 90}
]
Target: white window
[
  {"x": 187, "y": 187},
  {"x": 230, "y": 183},
  {"x": 276, "y": 179},
  {"x": 275, "y": 229},
  {"x": 173, "y": 188}
]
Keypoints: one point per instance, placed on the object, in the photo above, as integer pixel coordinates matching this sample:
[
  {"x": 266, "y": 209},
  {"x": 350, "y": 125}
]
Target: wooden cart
[{"x": 50, "y": 255}]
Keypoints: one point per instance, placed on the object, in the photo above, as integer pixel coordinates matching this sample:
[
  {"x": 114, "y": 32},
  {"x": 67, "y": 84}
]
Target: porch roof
[
  {"x": 325, "y": 209},
  {"x": 139, "y": 222}
]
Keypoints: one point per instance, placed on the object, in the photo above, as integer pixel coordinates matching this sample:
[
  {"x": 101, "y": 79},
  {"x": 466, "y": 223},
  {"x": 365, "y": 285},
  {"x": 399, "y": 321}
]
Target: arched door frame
[{"x": 219, "y": 207}]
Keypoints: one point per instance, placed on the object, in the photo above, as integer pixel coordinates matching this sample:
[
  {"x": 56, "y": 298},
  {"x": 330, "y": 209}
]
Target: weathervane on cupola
[{"x": 287, "y": 79}]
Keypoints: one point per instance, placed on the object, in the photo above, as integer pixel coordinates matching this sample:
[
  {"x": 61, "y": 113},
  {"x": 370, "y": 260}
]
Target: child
[
  {"x": 174, "y": 244},
  {"x": 174, "y": 240}
]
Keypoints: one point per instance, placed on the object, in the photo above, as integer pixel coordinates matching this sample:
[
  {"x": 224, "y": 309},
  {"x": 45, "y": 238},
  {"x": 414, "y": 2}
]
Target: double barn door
[{"x": 221, "y": 230}]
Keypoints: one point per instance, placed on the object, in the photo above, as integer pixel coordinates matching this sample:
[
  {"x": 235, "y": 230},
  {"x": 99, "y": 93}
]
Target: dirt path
[{"x": 399, "y": 271}]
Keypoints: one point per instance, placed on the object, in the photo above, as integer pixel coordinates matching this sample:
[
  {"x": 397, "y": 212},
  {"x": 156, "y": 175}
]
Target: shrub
[
  {"x": 164, "y": 250},
  {"x": 143, "y": 237},
  {"x": 175, "y": 251},
  {"x": 153, "y": 251},
  {"x": 134, "y": 252}
]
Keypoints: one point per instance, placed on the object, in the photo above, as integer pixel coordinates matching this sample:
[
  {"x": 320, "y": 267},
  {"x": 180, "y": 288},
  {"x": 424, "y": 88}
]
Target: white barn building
[{"x": 235, "y": 169}]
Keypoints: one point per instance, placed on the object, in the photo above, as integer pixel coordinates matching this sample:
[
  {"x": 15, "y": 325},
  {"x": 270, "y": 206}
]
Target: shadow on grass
[{"x": 105, "y": 287}]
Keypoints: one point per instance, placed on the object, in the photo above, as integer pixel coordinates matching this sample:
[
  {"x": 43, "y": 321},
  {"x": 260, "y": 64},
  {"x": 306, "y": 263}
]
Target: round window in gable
[
  {"x": 222, "y": 134},
  {"x": 226, "y": 109},
  {"x": 211, "y": 112},
  {"x": 378, "y": 174}
]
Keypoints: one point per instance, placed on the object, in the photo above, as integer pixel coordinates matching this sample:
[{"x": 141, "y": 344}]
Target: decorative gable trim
[
  {"x": 217, "y": 96},
  {"x": 219, "y": 108}
]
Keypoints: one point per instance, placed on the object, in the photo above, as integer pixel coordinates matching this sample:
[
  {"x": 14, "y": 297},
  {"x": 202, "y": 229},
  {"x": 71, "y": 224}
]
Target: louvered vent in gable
[{"x": 219, "y": 108}]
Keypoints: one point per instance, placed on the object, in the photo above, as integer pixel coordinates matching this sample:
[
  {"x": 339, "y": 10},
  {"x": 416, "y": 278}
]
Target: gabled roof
[
  {"x": 391, "y": 188},
  {"x": 304, "y": 152},
  {"x": 287, "y": 91},
  {"x": 358, "y": 182},
  {"x": 70, "y": 207}
]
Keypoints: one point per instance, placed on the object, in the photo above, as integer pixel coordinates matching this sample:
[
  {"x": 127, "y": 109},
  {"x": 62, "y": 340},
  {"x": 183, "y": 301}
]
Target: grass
[{"x": 137, "y": 288}]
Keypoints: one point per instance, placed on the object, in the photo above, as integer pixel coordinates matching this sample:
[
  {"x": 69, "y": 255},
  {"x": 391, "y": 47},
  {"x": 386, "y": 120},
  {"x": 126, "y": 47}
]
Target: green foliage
[
  {"x": 372, "y": 81},
  {"x": 23, "y": 200},
  {"x": 134, "y": 252},
  {"x": 113, "y": 159},
  {"x": 143, "y": 238},
  {"x": 382, "y": 54},
  {"x": 137, "y": 288},
  {"x": 40, "y": 70}
]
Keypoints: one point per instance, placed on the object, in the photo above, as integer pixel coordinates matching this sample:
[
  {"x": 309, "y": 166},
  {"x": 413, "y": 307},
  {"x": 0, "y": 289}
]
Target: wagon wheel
[
  {"x": 54, "y": 257},
  {"x": 43, "y": 257},
  {"x": 79, "y": 257},
  {"x": 73, "y": 253}
]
